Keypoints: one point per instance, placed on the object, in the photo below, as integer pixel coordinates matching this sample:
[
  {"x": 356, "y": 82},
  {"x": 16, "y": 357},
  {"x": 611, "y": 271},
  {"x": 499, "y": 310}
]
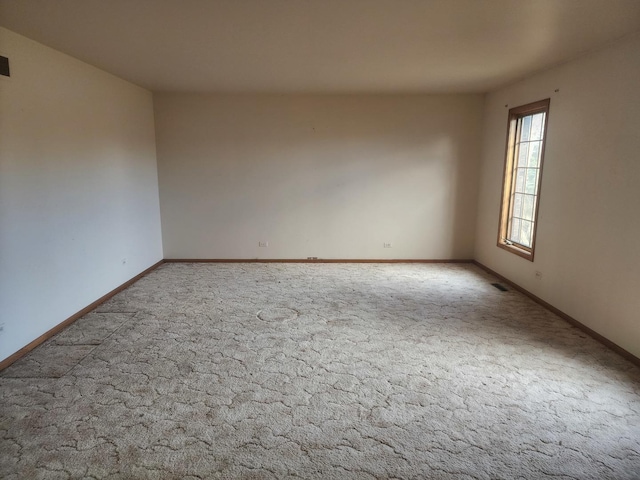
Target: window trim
[{"x": 508, "y": 182}]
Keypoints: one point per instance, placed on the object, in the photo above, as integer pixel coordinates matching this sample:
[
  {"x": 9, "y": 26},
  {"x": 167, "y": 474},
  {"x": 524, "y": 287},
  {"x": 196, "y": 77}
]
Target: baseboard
[
  {"x": 592, "y": 333},
  {"x": 310, "y": 260},
  {"x": 61, "y": 326}
]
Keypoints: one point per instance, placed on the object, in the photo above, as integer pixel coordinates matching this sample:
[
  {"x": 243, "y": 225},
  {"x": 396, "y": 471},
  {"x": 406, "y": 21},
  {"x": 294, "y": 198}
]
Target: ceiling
[{"x": 338, "y": 46}]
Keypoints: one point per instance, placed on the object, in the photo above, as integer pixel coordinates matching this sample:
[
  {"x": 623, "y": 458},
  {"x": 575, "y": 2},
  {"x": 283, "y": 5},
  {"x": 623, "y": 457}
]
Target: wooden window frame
[{"x": 508, "y": 182}]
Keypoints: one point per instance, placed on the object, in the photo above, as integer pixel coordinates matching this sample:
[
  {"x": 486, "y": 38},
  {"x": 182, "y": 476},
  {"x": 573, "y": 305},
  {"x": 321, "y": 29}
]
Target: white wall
[
  {"x": 78, "y": 188},
  {"x": 318, "y": 176},
  {"x": 588, "y": 243}
]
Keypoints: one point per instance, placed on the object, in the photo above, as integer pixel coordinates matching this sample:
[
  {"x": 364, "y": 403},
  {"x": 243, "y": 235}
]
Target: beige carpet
[{"x": 324, "y": 371}]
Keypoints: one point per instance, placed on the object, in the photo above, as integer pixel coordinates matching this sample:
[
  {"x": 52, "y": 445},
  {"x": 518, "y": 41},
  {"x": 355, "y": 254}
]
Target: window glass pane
[
  {"x": 523, "y": 164},
  {"x": 520, "y": 174},
  {"x": 515, "y": 231},
  {"x": 527, "y": 207},
  {"x": 525, "y": 128},
  {"x": 522, "y": 155},
  {"x": 536, "y": 126},
  {"x": 530, "y": 183},
  {"x": 525, "y": 233},
  {"x": 517, "y": 205},
  {"x": 534, "y": 154}
]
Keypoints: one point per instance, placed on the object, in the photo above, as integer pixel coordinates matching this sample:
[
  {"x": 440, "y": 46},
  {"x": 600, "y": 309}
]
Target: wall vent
[
  {"x": 4, "y": 66},
  {"x": 500, "y": 287}
]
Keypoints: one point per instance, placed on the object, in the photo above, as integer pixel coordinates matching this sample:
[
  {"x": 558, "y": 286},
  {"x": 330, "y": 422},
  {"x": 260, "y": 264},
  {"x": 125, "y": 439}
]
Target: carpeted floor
[{"x": 324, "y": 371}]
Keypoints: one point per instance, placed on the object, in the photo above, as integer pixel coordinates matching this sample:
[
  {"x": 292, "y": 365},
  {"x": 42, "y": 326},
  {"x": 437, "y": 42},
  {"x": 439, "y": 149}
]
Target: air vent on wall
[{"x": 4, "y": 66}]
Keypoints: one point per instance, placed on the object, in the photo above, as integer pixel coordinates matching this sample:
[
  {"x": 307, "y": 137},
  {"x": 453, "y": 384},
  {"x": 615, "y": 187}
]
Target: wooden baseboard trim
[
  {"x": 592, "y": 333},
  {"x": 309, "y": 260},
  {"x": 61, "y": 326},
  {"x": 45, "y": 336}
]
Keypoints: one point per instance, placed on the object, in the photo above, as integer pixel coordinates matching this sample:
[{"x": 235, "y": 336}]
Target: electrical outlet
[
  {"x": 386, "y": 245},
  {"x": 538, "y": 275},
  {"x": 263, "y": 244}
]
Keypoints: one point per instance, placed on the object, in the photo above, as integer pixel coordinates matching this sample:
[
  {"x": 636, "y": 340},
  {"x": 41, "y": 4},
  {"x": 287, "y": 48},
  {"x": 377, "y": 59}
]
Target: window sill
[{"x": 521, "y": 252}]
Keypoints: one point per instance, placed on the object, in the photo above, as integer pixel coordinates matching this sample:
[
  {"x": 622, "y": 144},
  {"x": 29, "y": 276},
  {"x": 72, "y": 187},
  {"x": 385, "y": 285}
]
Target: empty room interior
[{"x": 320, "y": 239}]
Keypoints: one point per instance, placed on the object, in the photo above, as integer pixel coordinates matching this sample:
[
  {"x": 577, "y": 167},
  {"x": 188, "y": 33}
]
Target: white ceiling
[{"x": 342, "y": 46}]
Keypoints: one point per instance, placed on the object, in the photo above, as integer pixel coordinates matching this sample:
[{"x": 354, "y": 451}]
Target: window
[{"x": 522, "y": 174}]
